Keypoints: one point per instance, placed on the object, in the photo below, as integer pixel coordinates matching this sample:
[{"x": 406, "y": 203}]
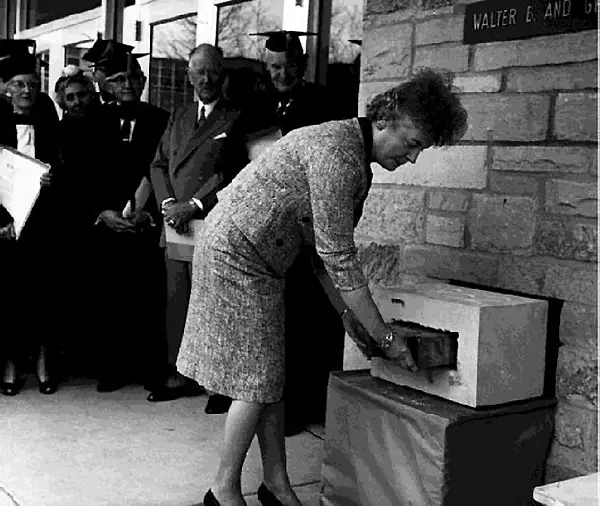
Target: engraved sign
[{"x": 497, "y": 20}]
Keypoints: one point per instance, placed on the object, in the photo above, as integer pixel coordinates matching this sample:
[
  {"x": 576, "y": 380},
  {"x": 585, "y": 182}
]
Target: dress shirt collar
[{"x": 208, "y": 108}]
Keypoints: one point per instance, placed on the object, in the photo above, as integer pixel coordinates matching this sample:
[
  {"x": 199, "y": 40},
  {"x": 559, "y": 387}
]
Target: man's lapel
[{"x": 213, "y": 125}]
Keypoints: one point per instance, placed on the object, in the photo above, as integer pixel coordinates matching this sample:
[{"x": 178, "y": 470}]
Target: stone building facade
[{"x": 514, "y": 206}]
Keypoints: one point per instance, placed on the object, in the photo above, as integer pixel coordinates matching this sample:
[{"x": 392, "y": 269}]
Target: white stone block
[
  {"x": 353, "y": 357},
  {"x": 501, "y": 343}
]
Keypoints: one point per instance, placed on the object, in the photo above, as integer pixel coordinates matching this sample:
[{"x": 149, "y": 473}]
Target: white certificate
[{"x": 19, "y": 184}]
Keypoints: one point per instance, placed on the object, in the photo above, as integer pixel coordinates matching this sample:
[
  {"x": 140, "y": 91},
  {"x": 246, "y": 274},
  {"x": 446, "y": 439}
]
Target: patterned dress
[{"x": 307, "y": 188}]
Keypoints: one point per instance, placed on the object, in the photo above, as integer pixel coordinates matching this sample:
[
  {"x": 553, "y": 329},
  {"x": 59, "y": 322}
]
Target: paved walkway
[{"x": 82, "y": 448}]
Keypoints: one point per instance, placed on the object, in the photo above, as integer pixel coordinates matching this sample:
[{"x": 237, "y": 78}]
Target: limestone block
[
  {"x": 387, "y": 52},
  {"x": 577, "y": 373},
  {"x": 368, "y": 90},
  {"x": 437, "y": 261},
  {"x": 567, "y": 239},
  {"x": 578, "y": 322},
  {"x": 393, "y": 214},
  {"x": 478, "y": 83},
  {"x": 564, "y": 77},
  {"x": 572, "y": 281},
  {"x": 501, "y": 343},
  {"x": 448, "y": 200},
  {"x": 511, "y": 117},
  {"x": 445, "y": 230},
  {"x": 452, "y": 167},
  {"x": 551, "y": 50},
  {"x": 511, "y": 184},
  {"x": 572, "y": 198},
  {"x": 502, "y": 223},
  {"x": 576, "y": 117},
  {"x": 436, "y": 30},
  {"x": 381, "y": 263},
  {"x": 452, "y": 57},
  {"x": 522, "y": 274},
  {"x": 545, "y": 159}
]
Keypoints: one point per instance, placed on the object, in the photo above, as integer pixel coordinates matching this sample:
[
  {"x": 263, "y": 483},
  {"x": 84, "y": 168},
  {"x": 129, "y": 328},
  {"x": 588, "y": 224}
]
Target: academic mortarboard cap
[
  {"x": 119, "y": 62},
  {"x": 102, "y": 48},
  {"x": 16, "y": 47},
  {"x": 358, "y": 42},
  {"x": 284, "y": 41},
  {"x": 11, "y": 66}
]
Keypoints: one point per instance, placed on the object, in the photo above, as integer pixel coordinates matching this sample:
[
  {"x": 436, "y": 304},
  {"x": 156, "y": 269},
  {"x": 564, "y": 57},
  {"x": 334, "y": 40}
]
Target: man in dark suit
[
  {"x": 129, "y": 259},
  {"x": 204, "y": 145}
]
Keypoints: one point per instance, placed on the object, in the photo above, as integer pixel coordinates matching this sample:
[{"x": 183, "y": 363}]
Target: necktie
[{"x": 202, "y": 117}]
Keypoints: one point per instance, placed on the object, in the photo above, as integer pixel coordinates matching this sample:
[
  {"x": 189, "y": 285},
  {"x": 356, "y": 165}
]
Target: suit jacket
[
  {"x": 307, "y": 189},
  {"x": 131, "y": 162},
  {"x": 188, "y": 157}
]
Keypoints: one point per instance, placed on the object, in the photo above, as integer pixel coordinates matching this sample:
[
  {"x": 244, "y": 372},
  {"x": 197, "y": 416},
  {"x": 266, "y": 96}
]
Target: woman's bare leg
[
  {"x": 240, "y": 427},
  {"x": 271, "y": 438}
]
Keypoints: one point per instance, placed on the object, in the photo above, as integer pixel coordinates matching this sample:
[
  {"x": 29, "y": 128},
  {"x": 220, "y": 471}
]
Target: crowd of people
[{"x": 278, "y": 175}]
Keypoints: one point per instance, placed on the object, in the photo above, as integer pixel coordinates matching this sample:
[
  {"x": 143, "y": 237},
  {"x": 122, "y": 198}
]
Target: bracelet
[
  {"x": 344, "y": 311},
  {"x": 387, "y": 340}
]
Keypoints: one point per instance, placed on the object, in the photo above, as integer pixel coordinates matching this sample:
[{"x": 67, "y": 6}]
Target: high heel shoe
[
  {"x": 210, "y": 499},
  {"x": 266, "y": 497}
]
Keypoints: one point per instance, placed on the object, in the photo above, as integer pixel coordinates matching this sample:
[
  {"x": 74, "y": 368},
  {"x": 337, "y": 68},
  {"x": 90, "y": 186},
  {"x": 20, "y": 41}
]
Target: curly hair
[
  {"x": 429, "y": 101},
  {"x": 78, "y": 77}
]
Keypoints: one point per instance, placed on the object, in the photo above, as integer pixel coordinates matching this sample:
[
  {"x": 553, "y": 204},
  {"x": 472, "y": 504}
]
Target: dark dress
[{"x": 33, "y": 278}]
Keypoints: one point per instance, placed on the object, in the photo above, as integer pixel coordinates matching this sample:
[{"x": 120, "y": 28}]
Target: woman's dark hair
[{"x": 428, "y": 99}]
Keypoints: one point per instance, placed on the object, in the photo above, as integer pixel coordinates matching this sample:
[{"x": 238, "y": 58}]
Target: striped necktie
[{"x": 202, "y": 117}]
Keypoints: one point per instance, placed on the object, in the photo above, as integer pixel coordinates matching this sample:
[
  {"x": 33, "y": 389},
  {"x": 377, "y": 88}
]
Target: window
[
  {"x": 43, "y": 58},
  {"x": 74, "y": 53},
  {"x": 172, "y": 42},
  {"x": 236, "y": 21},
  {"x": 44, "y": 11},
  {"x": 345, "y": 38}
]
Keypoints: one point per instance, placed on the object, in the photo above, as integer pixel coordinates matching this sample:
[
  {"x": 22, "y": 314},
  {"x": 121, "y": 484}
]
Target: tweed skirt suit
[{"x": 306, "y": 190}]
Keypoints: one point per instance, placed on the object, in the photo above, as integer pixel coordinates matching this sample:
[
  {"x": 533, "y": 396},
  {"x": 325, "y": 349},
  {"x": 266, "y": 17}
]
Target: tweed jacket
[{"x": 306, "y": 189}]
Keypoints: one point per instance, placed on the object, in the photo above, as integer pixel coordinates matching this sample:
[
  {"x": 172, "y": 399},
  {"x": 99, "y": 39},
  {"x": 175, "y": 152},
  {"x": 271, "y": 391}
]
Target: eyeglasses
[
  {"x": 123, "y": 78},
  {"x": 21, "y": 85}
]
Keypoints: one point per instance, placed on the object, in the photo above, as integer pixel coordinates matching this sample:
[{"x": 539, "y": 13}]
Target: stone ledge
[{"x": 451, "y": 167}]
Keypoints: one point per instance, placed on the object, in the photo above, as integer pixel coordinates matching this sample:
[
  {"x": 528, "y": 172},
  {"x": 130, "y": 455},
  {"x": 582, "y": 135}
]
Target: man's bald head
[{"x": 205, "y": 72}]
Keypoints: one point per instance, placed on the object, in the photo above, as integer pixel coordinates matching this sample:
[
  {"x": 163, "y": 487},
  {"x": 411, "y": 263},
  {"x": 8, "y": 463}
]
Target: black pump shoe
[
  {"x": 266, "y": 497},
  {"x": 210, "y": 499}
]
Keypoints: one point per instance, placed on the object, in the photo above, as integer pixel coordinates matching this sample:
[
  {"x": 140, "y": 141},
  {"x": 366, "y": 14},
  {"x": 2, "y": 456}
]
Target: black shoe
[
  {"x": 48, "y": 387},
  {"x": 217, "y": 404},
  {"x": 164, "y": 393},
  {"x": 266, "y": 497},
  {"x": 11, "y": 388},
  {"x": 210, "y": 499}
]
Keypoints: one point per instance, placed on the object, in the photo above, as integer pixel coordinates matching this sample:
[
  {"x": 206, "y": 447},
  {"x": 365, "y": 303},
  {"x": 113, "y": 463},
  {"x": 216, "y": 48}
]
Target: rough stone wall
[{"x": 513, "y": 206}]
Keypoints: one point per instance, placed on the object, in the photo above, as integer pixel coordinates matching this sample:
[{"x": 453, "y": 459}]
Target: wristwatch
[{"x": 387, "y": 340}]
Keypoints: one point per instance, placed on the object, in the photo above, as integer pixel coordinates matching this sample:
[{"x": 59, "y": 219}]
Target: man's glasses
[{"x": 22, "y": 85}]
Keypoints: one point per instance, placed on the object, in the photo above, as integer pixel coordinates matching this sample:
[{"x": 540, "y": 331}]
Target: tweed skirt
[{"x": 233, "y": 343}]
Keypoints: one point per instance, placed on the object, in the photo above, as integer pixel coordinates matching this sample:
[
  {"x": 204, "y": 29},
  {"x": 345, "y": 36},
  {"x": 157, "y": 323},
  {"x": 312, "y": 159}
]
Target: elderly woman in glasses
[
  {"x": 32, "y": 255},
  {"x": 307, "y": 188}
]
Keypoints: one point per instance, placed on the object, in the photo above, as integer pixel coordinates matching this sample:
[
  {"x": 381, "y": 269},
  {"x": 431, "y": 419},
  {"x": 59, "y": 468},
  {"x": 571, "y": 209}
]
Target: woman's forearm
[{"x": 360, "y": 302}]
